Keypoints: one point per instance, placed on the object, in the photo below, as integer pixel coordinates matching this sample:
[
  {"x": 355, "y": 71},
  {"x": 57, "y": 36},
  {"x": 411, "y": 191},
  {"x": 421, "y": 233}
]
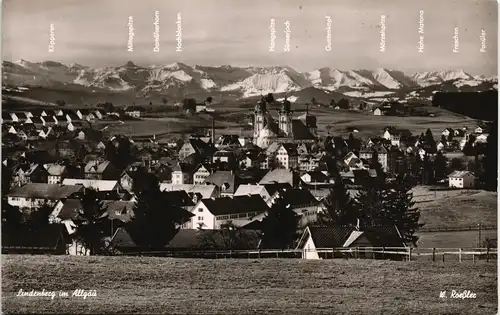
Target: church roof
[{"x": 300, "y": 131}]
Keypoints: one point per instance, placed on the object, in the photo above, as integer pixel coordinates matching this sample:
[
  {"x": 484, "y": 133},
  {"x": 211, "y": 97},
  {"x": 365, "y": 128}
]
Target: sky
[{"x": 217, "y": 32}]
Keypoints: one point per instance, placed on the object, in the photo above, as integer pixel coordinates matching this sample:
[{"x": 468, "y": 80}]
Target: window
[
  {"x": 200, "y": 209},
  {"x": 200, "y": 218}
]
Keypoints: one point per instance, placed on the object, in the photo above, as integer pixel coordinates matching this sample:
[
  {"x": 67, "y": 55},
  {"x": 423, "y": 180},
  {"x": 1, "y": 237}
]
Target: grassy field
[
  {"x": 462, "y": 239},
  {"x": 457, "y": 208},
  {"x": 149, "y": 285}
]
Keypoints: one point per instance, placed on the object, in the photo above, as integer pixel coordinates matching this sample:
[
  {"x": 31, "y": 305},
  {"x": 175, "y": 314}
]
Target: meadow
[{"x": 149, "y": 285}]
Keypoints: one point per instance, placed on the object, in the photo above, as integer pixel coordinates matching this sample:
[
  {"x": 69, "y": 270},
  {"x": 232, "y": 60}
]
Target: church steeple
[
  {"x": 285, "y": 117},
  {"x": 259, "y": 117}
]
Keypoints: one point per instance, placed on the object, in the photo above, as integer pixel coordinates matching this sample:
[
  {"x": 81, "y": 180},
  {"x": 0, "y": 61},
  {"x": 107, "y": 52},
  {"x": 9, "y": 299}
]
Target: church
[{"x": 286, "y": 129}]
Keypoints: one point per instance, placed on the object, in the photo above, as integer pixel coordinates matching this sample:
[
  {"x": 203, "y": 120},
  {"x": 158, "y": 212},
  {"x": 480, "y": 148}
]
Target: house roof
[
  {"x": 224, "y": 179},
  {"x": 97, "y": 184},
  {"x": 318, "y": 176},
  {"x": 56, "y": 170},
  {"x": 460, "y": 174},
  {"x": 296, "y": 196},
  {"x": 45, "y": 191},
  {"x": 205, "y": 190},
  {"x": 96, "y": 166},
  {"x": 280, "y": 175},
  {"x": 235, "y": 205},
  {"x": 328, "y": 236},
  {"x": 300, "y": 131},
  {"x": 71, "y": 209},
  {"x": 177, "y": 198},
  {"x": 229, "y": 140},
  {"x": 118, "y": 210},
  {"x": 290, "y": 148}
]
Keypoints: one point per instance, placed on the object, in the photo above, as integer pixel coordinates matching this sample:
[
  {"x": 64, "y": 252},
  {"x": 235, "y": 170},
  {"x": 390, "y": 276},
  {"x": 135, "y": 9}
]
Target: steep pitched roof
[
  {"x": 460, "y": 174},
  {"x": 45, "y": 191},
  {"x": 97, "y": 184},
  {"x": 297, "y": 196},
  {"x": 300, "y": 131},
  {"x": 235, "y": 205},
  {"x": 118, "y": 210},
  {"x": 224, "y": 179},
  {"x": 71, "y": 209}
]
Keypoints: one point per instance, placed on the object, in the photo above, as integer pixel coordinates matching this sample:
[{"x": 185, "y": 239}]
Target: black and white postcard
[{"x": 249, "y": 157}]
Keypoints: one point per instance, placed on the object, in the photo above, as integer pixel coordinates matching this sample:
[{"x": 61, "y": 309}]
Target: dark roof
[
  {"x": 36, "y": 120},
  {"x": 318, "y": 176},
  {"x": 387, "y": 235},
  {"x": 291, "y": 148},
  {"x": 73, "y": 116},
  {"x": 273, "y": 188},
  {"x": 45, "y": 191},
  {"x": 118, "y": 210},
  {"x": 280, "y": 175},
  {"x": 237, "y": 204},
  {"x": 71, "y": 209},
  {"x": 229, "y": 140},
  {"x": 297, "y": 196},
  {"x": 300, "y": 131},
  {"x": 226, "y": 180},
  {"x": 330, "y": 236},
  {"x": 177, "y": 198},
  {"x": 214, "y": 239},
  {"x": 122, "y": 239}
]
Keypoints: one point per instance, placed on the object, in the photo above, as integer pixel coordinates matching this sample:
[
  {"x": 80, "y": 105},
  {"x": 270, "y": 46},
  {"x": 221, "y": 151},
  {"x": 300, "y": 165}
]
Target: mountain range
[{"x": 182, "y": 79}]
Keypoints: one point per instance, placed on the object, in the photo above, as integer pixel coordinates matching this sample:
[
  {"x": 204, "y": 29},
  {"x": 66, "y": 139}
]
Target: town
[{"x": 74, "y": 189}]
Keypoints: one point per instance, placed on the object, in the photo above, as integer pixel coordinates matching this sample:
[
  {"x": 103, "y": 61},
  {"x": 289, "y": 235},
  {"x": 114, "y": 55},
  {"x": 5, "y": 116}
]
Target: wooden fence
[
  {"x": 385, "y": 253},
  {"x": 459, "y": 228}
]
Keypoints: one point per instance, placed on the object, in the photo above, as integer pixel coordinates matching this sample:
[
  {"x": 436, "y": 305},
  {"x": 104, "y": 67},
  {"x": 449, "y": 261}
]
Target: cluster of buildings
[{"x": 215, "y": 181}]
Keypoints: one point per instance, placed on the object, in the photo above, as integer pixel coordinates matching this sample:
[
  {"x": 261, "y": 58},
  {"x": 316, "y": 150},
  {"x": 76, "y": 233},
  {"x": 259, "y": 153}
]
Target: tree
[
  {"x": 400, "y": 209},
  {"x": 280, "y": 225},
  {"x": 150, "y": 103},
  {"x": 457, "y": 164},
  {"x": 11, "y": 216},
  {"x": 209, "y": 100},
  {"x": 38, "y": 219},
  {"x": 332, "y": 103},
  {"x": 60, "y": 102},
  {"x": 269, "y": 98},
  {"x": 339, "y": 206},
  {"x": 164, "y": 100},
  {"x": 90, "y": 230},
  {"x": 313, "y": 101},
  {"x": 440, "y": 166},
  {"x": 156, "y": 219},
  {"x": 490, "y": 159},
  {"x": 429, "y": 142},
  {"x": 369, "y": 205},
  {"x": 189, "y": 104},
  {"x": 343, "y": 103}
]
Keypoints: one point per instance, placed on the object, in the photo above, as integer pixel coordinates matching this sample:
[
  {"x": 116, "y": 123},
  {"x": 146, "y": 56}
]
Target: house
[
  {"x": 134, "y": 111},
  {"x": 211, "y": 213},
  {"x": 18, "y": 117},
  {"x": 45, "y": 132},
  {"x": 49, "y": 120},
  {"x": 302, "y": 202},
  {"x": 36, "y": 174},
  {"x": 56, "y": 173},
  {"x": 482, "y": 138},
  {"x": 447, "y": 132},
  {"x": 224, "y": 156},
  {"x": 194, "y": 145},
  {"x": 99, "y": 114},
  {"x": 101, "y": 170},
  {"x": 382, "y": 154},
  {"x": 72, "y": 117},
  {"x": 127, "y": 179},
  {"x": 96, "y": 184},
  {"x": 37, "y": 121},
  {"x": 287, "y": 156},
  {"x": 377, "y": 112},
  {"x": 228, "y": 181},
  {"x": 228, "y": 141},
  {"x": 35, "y": 195},
  {"x": 461, "y": 179},
  {"x": 441, "y": 146},
  {"x": 59, "y": 112},
  {"x": 316, "y": 177},
  {"x": 396, "y": 135},
  {"x": 309, "y": 162},
  {"x": 201, "y": 173},
  {"x": 478, "y": 130},
  {"x": 323, "y": 237},
  {"x": 182, "y": 173},
  {"x": 68, "y": 212},
  {"x": 265, "y": 191}
]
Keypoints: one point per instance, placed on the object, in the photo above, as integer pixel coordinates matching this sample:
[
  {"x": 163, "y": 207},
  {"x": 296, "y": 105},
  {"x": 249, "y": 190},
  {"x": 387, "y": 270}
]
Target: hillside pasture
[{"x": 245, "y": 286}]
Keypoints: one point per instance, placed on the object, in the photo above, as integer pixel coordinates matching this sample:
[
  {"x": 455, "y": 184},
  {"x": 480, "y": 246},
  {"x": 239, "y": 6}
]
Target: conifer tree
[
  {"x": 280, "y": 225},
  {"x": 339, "y": 205}
]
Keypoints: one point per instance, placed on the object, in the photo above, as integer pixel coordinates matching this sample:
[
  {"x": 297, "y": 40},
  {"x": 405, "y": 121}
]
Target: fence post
[
  {"x": 443, "y": 257},
  {"x": 488, "y": 254},
  {"x": 373, "y": 253},
  {"x": 433, "y": 254},
  {"x": 357, "y": 252},
  {"x": 460, "y": 255},
  {"x": 383, "y": 252},
  {"x": 473, "y": 258},
  {"x": 333, "y": 253},
  {"x": 409, "y": 256},
  {"x": 259, "y": 253}
]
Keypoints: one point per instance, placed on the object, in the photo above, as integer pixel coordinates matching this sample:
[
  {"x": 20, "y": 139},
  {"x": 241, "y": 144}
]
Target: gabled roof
[
  {"x": 281, "y": 176},
  {"x": 96, "y": 166},
  {"x": 327, "y": 236},
  {"x": 97, "y": 184},
  {"x": 118, "y": 210},
  {"x": 72, "y": 209},
  {"x": 300, "y": 131},
  {"x": 225, "y": 179},
  {"x": 45, "y": 191},
  {"x": 235, "y": 205},
  {"x": 205, "y": 190},
  {"x": 296, "y": 196},
  {"x": 56, "y": 170},
  {"x": 290, "y": 148},
  {"x": 460, "y": 174}
]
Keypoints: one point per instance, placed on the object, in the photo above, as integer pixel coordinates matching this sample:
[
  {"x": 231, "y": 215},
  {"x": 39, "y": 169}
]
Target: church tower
[
  {"x": 285, "y": 118},
  {"x": 259, "y": 118}
]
